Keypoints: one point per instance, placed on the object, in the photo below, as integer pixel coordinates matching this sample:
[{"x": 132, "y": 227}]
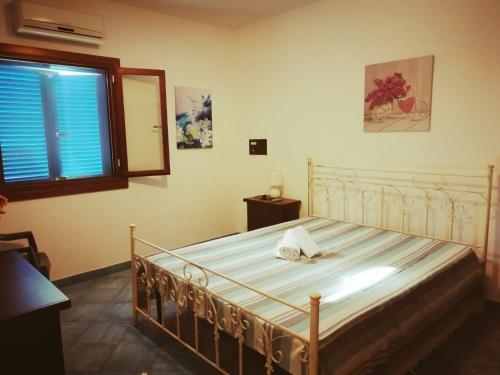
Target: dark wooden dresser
[
  {"x": 263, "y": 212},
  {"x": 30, "y": 332}
]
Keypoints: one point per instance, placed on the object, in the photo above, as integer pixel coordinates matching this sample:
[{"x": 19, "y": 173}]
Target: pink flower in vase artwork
[{"x": 398, "y": 95}]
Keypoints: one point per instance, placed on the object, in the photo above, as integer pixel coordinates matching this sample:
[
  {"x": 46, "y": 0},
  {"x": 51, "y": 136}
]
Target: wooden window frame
[
  {"x": 163, "y": 114},
  {"x": 118, "y": 180}
]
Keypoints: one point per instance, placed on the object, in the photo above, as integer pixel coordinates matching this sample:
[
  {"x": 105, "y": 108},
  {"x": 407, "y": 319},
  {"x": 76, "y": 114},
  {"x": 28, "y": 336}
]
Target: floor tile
[
  {"x": 71, "y": 331},
  {"x": 111, "y": 282},
  {"x": 88, "y": 357},
  {"x": 148, "y": 331},
  {"x": 180, "y": 361},
  {"x": 133, "y": 335},
  {"x": 124, "y": 295},
  {"x": 166, "y": 364},
  {"x": 138, "y": 356},
  {"x": 84, "y": 312},
  {"x": 124, "y": 273},
  {"x": 105, "y": 333},
  {"x": 96, "y": 295},
  {"x": 118, "y": 312},
  {"x": 82, "y": 285},
  {"x": 74, "y": 295},
  {"x": 76, "y": 291}
]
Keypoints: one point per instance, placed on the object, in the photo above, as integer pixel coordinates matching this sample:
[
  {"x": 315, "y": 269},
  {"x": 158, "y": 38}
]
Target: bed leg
[
  {"x": 310, "y": 198},
  {"x": 314, "y": 334},
  {"x": 133, "y": 272},
  {"x": 487, "y": 219}
]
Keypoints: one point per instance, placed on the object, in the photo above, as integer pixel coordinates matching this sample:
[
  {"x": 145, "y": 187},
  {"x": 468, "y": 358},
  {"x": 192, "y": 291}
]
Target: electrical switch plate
[{"x": 257, "y": 146}]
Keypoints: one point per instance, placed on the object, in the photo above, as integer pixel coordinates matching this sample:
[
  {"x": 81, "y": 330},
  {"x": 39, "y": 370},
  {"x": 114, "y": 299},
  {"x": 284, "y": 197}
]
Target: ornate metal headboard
[{"x": 447, "y": 206}]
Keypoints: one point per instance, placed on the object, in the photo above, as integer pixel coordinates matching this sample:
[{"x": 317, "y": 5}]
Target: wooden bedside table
[{"x": 262, "y": 212}]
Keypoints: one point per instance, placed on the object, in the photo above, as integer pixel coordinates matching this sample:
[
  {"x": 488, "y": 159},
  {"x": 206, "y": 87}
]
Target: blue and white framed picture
[{"x": 193, "y": 117}]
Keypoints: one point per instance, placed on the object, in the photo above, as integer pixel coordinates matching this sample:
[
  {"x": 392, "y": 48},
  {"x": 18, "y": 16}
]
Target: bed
[{"x": 388, "y": 287}]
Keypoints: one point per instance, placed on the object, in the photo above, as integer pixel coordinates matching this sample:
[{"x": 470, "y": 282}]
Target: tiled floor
[
  {"x": 473, "y": 350},
  {"x": 99, "y": 339}
]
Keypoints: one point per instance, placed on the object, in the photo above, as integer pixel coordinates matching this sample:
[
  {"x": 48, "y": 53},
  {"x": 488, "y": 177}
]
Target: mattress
[{"x": 378, "y": 287}]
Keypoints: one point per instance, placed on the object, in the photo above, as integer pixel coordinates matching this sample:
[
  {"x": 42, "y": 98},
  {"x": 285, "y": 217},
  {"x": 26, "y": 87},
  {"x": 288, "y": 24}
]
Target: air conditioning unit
[{"x": 50, "y": 22}]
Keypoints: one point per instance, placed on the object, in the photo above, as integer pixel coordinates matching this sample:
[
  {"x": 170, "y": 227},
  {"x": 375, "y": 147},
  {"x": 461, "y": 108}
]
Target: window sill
[{"x": 27, "y": 191}]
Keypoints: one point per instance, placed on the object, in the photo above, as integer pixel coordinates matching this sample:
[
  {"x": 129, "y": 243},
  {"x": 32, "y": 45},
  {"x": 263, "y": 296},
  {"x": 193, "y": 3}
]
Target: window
[
  {"x": 62, "y": 124},
  {"x": 145, "y": 119},
  {"x": 54, "y": 122}
]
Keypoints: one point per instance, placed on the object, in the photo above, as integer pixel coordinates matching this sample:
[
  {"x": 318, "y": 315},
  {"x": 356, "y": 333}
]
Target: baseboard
[{"x": 91, "y": 274}]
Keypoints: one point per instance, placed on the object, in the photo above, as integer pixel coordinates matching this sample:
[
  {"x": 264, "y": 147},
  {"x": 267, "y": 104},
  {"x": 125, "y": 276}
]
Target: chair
[{"x": 39, "y": 260}]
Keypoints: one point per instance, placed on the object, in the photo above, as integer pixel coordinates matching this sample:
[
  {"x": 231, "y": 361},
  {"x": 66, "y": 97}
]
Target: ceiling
[{"x": 226, "y": 13}]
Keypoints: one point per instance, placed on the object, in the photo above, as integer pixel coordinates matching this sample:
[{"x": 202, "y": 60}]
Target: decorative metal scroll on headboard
[{"x": 447, "y": 206}]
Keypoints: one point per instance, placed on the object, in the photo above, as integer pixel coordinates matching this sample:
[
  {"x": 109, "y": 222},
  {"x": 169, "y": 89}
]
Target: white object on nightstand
[{"x": 276, "y": 182}]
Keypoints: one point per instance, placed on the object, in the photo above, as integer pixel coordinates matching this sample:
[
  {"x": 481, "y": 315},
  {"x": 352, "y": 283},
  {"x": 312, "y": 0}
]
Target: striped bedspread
[{"x": 361, "y": 271}]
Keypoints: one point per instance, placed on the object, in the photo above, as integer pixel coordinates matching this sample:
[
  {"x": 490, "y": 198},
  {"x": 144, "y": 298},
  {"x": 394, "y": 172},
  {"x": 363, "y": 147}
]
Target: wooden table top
[
  {"x": 24, "y": 290},
  {"x": 282, "y": 202}
]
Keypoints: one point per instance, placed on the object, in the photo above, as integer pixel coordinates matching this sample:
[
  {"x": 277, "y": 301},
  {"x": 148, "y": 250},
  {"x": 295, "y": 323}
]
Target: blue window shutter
[
  {"x": 78, "y": 125},
  {"x": 22, "y": 129}
]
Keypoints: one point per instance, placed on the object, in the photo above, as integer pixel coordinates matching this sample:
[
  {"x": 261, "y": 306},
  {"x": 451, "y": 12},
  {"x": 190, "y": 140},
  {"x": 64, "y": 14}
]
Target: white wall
[
  {"x": 197, "y": 202},
  {"x": 302, "y": 80}
]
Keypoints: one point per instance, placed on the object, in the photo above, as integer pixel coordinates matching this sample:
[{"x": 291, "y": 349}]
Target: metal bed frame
[{"x": 401, "y": 189}]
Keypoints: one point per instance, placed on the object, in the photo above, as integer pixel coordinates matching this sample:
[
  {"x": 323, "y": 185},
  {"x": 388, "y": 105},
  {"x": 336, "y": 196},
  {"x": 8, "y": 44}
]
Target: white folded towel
[
  {"x": 293, "y": 242},
  {"x": 306, "y": 243},
  {"x": 288, "y": 247}
]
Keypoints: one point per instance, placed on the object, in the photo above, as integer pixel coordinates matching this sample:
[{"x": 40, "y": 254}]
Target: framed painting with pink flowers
[{"x": 398, "y": 95}]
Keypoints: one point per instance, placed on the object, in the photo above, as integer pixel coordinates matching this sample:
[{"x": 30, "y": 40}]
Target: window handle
[{"x": 157, "y": 126}]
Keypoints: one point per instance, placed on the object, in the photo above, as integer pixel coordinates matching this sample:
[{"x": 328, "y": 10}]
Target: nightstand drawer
[{"x": 262, "y": 212}]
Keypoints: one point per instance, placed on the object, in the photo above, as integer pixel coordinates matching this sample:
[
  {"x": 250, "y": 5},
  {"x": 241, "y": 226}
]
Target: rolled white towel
[
  {"x": 288, "y": 248},
  {"x": 306, "y": 243}
]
